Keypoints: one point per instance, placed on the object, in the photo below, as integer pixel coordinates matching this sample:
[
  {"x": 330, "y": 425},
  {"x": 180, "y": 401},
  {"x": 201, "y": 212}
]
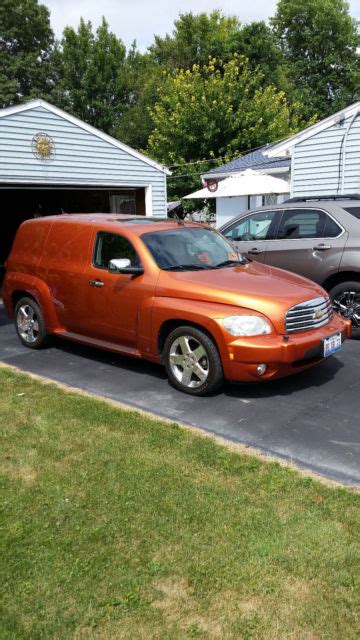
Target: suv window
[
  {"x": 111, "y": 245},
  {"x": 259, "y": 226},
  {"x": 332, "y": 230},
  {"x": 355, "y": 211},
  {"x": 307, "y": 223}
]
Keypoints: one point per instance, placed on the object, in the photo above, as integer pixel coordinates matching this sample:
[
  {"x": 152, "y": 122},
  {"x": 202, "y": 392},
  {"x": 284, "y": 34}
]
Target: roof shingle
[{"x": 254, "y": 160}]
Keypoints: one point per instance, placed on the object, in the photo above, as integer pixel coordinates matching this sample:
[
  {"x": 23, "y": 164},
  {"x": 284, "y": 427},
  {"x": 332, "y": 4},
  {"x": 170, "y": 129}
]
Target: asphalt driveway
[{"x": 311, "y": 418}]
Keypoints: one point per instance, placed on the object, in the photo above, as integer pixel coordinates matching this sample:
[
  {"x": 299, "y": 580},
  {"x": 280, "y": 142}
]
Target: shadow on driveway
[{"x": 314, "y": 377}]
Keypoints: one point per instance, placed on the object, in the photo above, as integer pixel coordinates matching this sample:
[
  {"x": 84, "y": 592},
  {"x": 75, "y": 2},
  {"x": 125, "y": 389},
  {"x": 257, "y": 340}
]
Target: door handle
[
  {"x": 322, "y": 247},
  {"x": 96, "y": 283},
  {"x": 255, "y": 251}
]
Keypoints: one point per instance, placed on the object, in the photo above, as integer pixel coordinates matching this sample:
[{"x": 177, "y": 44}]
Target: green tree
[
  {"x": 144, "y": 77},
  {"x": 256, "y": 41},
  {"x": 319, "y": 40},
  {"x": 92, "y": 79},
  {"x": 195, "y": 38},
  {"x": 210, "y": 112},
  {"x": 26, "y": 42}
]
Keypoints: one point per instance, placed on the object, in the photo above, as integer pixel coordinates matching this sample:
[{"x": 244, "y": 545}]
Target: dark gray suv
[{"x": 317, "y": 237}]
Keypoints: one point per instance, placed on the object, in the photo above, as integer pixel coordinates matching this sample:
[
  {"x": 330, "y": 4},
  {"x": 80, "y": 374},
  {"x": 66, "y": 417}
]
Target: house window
[
  {"x": 123, "y": 203},
  {"x": 270, "y": 198}
]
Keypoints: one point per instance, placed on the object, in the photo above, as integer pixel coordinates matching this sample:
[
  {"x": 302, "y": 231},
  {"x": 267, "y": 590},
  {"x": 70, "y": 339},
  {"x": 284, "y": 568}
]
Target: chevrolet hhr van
[{"x": 173, "y": 293}]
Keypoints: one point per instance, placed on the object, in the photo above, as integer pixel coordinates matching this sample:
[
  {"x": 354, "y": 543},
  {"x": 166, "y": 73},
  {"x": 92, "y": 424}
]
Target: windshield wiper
[
  {"x": 229, "y": 263},
  {"x": 185, "y": 267}
]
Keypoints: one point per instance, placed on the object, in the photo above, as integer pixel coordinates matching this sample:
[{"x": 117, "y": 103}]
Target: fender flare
[{"x": 37, "y": 289}]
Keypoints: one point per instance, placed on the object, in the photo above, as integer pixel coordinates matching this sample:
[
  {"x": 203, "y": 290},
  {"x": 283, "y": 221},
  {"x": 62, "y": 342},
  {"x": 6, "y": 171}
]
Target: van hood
[{"x": 254, "y": 286}]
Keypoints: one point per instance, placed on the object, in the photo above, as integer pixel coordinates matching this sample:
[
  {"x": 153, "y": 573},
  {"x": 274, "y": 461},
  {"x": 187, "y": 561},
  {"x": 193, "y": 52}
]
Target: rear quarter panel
[
  {"x": 350, "y": 259},
  {"x": 23, "y": 261}
]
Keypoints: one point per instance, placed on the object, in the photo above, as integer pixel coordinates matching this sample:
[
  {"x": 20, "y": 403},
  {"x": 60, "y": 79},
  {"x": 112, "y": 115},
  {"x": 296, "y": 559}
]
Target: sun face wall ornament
[
  {"x": 212, "y": 184},
  {"x": 43, "y": 147}
]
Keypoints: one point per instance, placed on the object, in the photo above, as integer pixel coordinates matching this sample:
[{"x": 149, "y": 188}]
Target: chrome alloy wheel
[
  {"x": 27, "y": 323},
  {"x": 347, "y": 303},
  {"x": 189, "y": 362}
]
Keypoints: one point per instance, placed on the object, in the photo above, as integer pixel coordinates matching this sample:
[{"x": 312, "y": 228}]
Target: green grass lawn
[{"x": 116, "y": 526}]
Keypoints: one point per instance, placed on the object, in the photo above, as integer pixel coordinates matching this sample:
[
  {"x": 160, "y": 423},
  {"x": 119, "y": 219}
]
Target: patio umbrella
[{"x": 247, "y": 183}]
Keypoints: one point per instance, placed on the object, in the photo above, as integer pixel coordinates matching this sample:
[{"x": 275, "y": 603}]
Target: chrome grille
[{"x": 311, "y": 314}]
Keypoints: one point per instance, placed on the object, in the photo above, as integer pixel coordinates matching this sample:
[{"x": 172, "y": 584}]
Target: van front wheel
[
  {"x": 30, "y": 324},
  {"x": 192, "y": 361}
]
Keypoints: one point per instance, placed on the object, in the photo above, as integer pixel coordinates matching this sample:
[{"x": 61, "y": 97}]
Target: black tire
[
  {"x": 201, "y": 355},
  {"x": 36, "y": 335},
  {"x": 346, "y": 301}
]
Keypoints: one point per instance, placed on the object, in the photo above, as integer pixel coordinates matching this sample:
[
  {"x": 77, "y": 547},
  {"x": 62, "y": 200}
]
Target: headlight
[{"x": 246, "y": 325}]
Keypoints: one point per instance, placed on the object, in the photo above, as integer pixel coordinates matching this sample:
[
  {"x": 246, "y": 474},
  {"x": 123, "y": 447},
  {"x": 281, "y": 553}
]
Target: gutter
[
  {"x": 344, "y": 152},
  {"x": 230, "y": 174}
]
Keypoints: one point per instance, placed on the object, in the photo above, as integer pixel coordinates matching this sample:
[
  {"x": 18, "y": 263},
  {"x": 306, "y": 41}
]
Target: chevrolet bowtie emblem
[{"x": 318, "y": 314}]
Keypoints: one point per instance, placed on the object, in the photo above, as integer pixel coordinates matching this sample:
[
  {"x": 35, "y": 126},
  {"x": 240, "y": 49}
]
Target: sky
[{"x": 140, "y": 19}]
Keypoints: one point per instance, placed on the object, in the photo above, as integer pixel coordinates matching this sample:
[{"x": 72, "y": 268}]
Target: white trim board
[
  {"x": 74, "y": 184},
  {"x": 33, "y": 104},
  {"x": 228, "y": 174}
]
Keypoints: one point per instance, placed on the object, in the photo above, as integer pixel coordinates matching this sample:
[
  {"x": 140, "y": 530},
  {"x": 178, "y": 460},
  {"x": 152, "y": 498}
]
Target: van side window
[{"x": 109, "y": 246}]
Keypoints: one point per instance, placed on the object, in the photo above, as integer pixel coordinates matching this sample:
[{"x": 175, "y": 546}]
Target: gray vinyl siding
[
  {"x": 81, "y": 158},
  {"x": 317, "y": 161}
]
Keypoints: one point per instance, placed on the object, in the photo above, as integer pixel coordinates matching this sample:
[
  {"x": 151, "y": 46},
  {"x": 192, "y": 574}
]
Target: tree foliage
[
  {"x": 211, "y": 89},
  {"x": 144, "y": 77},
  {"x": 26, "y": 43},
  {"x": 195, "y": 38},
  {"x": 210, "y": 112},
  {"x": 319, "y": 40},
  {"x": 257, "y": 43},
  {"x": 92, "y": 79}
]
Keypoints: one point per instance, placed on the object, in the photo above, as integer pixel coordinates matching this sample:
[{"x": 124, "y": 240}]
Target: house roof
[
  {"x": 33, "y": 104},
  {"x": 256, "y": 160},
  {"x": 285, "y": 146}
]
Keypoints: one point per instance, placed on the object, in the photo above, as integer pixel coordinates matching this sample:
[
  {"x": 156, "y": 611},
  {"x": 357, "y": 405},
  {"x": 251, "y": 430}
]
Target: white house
[
  {"x": 229, "y": 206},
  {"x": 325, "y": 158}
]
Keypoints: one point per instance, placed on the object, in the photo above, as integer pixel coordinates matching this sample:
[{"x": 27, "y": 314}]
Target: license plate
[{"x": 331, "y": 344}]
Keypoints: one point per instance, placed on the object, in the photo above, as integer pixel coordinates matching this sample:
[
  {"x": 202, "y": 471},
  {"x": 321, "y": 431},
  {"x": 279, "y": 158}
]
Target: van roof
[{"x": 138, "y": 224}]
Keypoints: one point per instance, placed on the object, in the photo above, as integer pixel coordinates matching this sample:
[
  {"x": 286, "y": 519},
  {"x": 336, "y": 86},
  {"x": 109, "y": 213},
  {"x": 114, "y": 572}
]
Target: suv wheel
[
  {"x": 192, "y": 361},
  {"x": 30, "y": 324},
  {"x": 346, "y": 301}
]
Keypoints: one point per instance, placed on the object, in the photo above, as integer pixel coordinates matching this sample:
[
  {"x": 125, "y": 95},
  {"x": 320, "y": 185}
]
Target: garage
[{"x": 53, "y": 163}]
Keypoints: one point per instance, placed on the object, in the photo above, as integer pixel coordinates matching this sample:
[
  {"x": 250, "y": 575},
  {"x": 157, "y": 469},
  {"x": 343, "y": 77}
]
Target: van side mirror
[{"x": 123, "y": 265}]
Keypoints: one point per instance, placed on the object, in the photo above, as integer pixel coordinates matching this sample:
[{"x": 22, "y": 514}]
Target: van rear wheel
[
  {"x": 192, "y": 361},
  {"x": 30, "y": 324}
]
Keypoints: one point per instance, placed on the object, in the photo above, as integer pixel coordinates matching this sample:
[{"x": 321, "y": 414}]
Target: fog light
[{"x": 260, "y": 369}]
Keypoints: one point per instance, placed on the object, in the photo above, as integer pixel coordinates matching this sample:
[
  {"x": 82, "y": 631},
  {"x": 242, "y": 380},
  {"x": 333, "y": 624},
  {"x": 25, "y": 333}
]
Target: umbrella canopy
[
  {"x": 173, "y": 205},
  {"x": 248, "y": 183}
]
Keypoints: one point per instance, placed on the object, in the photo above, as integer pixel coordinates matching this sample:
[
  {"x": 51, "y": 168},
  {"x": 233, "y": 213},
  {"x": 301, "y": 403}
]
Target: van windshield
[{"x": 190, "y": 249}]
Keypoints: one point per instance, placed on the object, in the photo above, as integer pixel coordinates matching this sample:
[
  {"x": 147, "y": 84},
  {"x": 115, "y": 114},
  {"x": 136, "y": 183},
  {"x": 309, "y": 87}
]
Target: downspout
[{"x": 344, "y": 150}]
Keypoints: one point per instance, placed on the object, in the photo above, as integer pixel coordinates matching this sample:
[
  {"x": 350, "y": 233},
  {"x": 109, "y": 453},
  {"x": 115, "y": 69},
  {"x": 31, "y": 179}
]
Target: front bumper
[{"x": 283, "y": 355}]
